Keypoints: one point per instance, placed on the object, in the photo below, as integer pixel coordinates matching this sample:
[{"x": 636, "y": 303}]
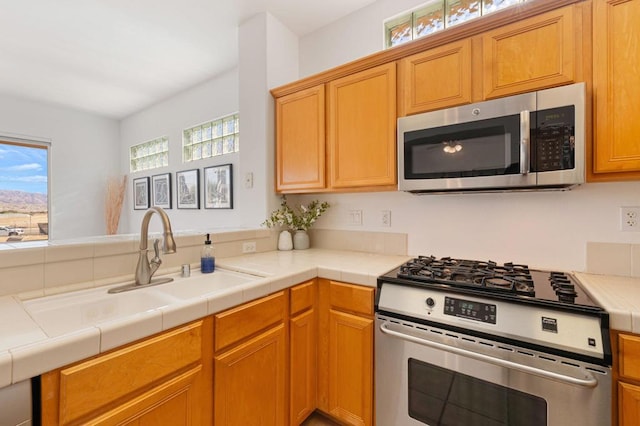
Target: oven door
[
  {"x": 484, "y": 145},
  {"x": 430, "y": 376}
]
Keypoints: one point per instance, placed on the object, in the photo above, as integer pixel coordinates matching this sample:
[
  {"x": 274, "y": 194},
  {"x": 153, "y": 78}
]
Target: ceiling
[{"x": 116, "y": 57}]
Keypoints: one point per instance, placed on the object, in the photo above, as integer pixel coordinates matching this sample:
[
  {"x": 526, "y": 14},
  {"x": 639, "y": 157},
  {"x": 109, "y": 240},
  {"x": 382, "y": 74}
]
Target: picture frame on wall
[
  {"x": 161, "y": 190},
  {"x": 188, "y": 189},
  {"x": 141, "y": 193},
  {"x": 218, "y": 187}
]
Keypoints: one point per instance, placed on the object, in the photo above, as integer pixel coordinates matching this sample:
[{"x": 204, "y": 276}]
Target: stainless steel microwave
[{"x": 523, "y": 142}]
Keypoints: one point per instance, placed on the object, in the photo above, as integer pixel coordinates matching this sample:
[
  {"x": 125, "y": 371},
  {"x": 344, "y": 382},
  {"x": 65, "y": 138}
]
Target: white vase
[
  {"x": 301, "y": 240},
  {"x": 284, "y": 241}
]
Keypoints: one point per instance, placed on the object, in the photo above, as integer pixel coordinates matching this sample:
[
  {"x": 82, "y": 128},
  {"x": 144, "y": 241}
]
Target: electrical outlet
[
  {"x": 355, "y": 217},
  {"x": 385, "y": 218},
  {"x": 630, "y": 219},
  {"x": 249, "y": 247}
]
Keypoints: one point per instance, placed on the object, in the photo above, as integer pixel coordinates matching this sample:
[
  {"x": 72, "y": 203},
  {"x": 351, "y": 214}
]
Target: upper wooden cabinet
[
  {"x": 300, "y": 140},
  {"x": 361, "y": 128},
  {"x": 360, "y": 140},
  {"x": 434, "y": 79},
  {"x": 532, "y": 54},
  {"x": 616, "y": 87}
]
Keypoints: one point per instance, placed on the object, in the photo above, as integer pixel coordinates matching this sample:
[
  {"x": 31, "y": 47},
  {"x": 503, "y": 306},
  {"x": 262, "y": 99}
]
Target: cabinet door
[
  {"x": 249, "y": 382},
  {"x": 434, "y": 79},
  {"x": 300, "y": 140},
  {"x": 361, "y": 128},
  {"x": 303, "y": 365},
  {"x": 131, "y": 382},
  {"x": 616, "y": 84},
  {"x": 531, "y": 54},
  {"x": 628, "y": 404},
  {"x": 351, "y": 368}
]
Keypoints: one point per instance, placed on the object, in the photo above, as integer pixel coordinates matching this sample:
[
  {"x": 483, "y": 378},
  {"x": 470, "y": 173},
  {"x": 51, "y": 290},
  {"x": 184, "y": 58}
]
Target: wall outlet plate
[
  {"x": 630, "y": 219},
  {"x": 249, "y": 247}
]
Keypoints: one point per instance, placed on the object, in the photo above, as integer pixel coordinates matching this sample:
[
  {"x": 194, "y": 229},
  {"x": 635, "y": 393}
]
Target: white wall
[
  {"x": 543, "y": 229},
  {"x": 210, "y": 100},
  {"x": 84, "y": 153}
]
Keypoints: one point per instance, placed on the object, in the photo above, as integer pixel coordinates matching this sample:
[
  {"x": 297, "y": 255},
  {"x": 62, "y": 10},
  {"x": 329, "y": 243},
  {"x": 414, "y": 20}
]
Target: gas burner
[{"x": 481, "y": 275}]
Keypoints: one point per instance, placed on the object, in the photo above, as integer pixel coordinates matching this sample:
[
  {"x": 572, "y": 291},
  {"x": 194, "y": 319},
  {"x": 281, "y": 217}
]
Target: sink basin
[
  {"x": 72, "y": 311},
  {"x": 202, "y": 284}
]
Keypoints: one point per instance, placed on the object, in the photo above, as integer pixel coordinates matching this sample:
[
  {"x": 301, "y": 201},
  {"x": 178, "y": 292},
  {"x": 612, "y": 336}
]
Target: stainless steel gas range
[{"x": 463, "y": 342}]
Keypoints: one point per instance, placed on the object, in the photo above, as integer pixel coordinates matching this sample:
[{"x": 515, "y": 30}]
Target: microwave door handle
[{"x": 525, "y": 146}]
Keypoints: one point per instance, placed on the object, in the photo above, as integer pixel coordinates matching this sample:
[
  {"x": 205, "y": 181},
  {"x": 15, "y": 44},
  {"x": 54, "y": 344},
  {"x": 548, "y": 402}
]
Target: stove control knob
[{"x": 430, "y": 302}]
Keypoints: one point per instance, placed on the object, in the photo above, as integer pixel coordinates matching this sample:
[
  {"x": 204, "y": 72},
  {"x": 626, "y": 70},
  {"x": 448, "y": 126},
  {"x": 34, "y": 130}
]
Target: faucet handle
[{"x": 156, "y": 250}]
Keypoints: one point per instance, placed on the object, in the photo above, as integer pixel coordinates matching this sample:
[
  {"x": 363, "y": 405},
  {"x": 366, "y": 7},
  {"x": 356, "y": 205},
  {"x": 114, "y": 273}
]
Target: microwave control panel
[{"x": 554, "y": 139}]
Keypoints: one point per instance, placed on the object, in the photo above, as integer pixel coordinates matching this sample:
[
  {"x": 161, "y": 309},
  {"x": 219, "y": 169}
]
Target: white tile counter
[
  {"x": 620, "y": 296},
  {"x": 31, "y": 344}
]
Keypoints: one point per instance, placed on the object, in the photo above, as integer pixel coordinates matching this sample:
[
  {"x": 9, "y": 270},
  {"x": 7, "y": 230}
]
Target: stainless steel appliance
[
  {"x": 529, "y": 141},
  {"x": 462, "y": 342}
]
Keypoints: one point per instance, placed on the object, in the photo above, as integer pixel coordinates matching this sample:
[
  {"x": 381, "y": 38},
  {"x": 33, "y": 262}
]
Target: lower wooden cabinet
[
  {"x": 627, "y": 365},
  {"x": 163, "y": 378},
  {"x": 303, "y": 345},
  {"x": 250, "y": 385},
  {"x": 345, "y": 362}
]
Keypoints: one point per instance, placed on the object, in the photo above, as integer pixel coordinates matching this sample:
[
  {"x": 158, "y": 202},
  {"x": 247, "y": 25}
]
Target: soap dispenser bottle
[{"x": 207, "y": 261}]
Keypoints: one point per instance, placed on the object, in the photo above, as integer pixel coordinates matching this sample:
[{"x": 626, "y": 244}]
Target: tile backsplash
[
  {"x": 34, "y": 270},
  {"x": 613, "y": 259}
]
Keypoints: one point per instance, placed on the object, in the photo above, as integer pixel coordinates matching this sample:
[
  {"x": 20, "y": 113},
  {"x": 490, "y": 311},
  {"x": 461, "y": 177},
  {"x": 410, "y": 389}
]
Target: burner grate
[{"x": 482, "y": 275}]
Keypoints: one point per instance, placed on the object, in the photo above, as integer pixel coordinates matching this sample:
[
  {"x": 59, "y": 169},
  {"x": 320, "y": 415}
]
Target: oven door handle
[
  {"x": 525, "y": 142},
  {"x": 589, "y": 382}
]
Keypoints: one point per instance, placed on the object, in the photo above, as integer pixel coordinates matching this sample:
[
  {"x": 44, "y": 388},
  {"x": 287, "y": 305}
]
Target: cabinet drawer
[
  {"x": 303, "y": 296},
  {"x": 98, "y": 382},
  {"x": 351, "y": 298},
  {"x": 629, "y": 356},
  {"x": 237, "y": 324}
]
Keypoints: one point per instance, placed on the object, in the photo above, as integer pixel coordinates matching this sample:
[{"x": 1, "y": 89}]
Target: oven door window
[
  {"x": 480, "y": 148},
  {"x": 441, "y": 397}
]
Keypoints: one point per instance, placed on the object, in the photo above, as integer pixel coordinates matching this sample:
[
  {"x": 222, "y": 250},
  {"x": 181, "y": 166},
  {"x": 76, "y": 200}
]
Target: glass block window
[
  {"x": 210, "y": 139},
  {"x": 149, "y": 155},
  {"x": 437, "y": 15}
]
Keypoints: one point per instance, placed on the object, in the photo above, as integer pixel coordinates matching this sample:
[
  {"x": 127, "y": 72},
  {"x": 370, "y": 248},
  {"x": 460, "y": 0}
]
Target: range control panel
[{"x": 483, "y": 312}]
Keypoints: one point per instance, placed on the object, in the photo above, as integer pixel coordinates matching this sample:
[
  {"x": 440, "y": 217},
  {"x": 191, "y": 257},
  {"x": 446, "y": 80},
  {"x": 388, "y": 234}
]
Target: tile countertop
[
  {"x": 620, "y": 296},
  {"x": 30, "y": 346}
]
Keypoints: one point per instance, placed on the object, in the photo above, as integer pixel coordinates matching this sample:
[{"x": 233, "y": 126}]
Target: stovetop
[{"x": 515, "y": 282}]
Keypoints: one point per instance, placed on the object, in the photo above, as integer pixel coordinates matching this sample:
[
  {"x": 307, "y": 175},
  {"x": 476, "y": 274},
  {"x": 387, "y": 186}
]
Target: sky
[{"x": 23, "y": 168}]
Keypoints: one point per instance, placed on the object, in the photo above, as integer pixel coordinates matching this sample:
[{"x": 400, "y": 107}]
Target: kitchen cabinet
[
  {"x": 534, "y": 53},
  {"x": 361, "y": 128},
  {"x": 345, "y": 358},
  {"x": 436, "y": 78},
  {"x": 165, "y": 378},
  {"x": 300, "y": 140},
  {"x": 616, "y": 89},
  {"x": 303, "y": 343},
  {"x": 357, "y": 152},
  {"x": 250, "y": 363},
  {"x": 626, "y": 349}
]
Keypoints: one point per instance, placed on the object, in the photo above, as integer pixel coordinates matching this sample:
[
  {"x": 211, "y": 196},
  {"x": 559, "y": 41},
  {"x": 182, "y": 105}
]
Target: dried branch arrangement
[{"x": 113, "y": 203}]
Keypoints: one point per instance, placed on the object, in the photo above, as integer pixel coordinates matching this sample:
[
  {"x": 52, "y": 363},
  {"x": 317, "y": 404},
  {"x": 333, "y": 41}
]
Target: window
[
  {"x": 24, "y": 189},
  {"x": 217, "y": 137},
  {"x": 437, "y": 15},
  {"x": 149, "y": 155}
]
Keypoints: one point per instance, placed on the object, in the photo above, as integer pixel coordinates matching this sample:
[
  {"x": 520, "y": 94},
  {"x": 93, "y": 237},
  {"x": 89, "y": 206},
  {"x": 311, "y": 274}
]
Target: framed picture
[
  {"x": 161, "y": 190},
  {"x": 188, "y": 189},
  {"x": 141, "y": 193},
  {"x": 218, "y": 187}
]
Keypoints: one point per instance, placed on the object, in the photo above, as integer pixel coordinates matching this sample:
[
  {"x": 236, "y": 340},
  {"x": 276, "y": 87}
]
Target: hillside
[{"x": 20, "y": 201}]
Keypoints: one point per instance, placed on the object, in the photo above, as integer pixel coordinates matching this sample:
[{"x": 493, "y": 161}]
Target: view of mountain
[{"x": 23, "y": 202}]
